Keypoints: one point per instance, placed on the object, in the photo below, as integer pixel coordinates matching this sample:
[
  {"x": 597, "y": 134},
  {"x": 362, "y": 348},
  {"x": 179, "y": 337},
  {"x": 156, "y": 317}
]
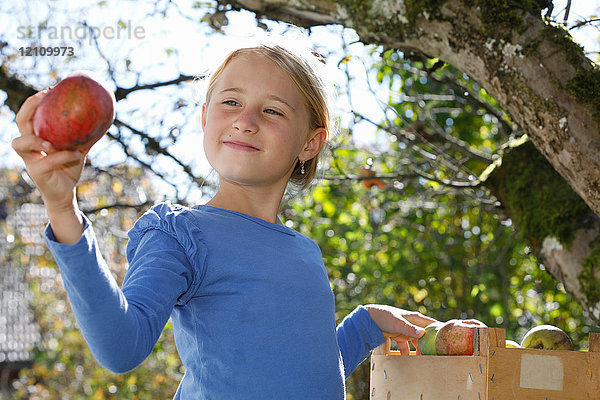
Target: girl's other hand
[
  {"x": 401, "y": 325},
  {"x": 55, "y": 173}
]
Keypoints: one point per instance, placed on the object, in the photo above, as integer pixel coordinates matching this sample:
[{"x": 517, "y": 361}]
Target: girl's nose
[{"x": 246, "y": 122}]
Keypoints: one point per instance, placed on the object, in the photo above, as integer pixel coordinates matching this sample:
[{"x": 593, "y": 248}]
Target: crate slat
[
  {"x": 492, "y": 373},
  {"x": 538, "y": 374},
  {"x": 396, "y": 377}
]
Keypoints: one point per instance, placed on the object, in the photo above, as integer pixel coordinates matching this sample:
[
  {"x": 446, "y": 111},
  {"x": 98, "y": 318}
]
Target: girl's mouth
[{"x": 239, "y": 145}]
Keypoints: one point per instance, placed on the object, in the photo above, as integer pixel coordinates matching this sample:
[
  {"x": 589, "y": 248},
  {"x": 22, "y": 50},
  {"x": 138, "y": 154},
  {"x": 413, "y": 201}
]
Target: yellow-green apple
[
  {"x": 76, "y": 113},
  {"x": 511, "y": 344},
  {"x": 546, "y": 337},
  {"x": 427, "y": 341},
  {"x": 457, "y": 337}
]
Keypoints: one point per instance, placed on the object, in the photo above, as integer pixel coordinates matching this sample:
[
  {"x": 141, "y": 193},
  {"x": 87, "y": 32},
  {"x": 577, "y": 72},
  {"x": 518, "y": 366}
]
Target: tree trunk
[
  {"x": 561, "y": 228},
  {"x": 533, "y": 69}
]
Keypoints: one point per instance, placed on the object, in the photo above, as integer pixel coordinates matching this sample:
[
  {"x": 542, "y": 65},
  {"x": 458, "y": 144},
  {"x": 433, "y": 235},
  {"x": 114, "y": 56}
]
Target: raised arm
[
  {"x": 55, "y": 173},
  {"x": 121, "y": 326}
]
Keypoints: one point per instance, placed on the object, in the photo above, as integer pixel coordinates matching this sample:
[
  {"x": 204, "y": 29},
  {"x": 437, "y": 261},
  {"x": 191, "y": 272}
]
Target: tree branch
[
  {"x": 138, "y": 206},
  {"x": 16, "y": 90},
  {"x": 121, "y": 93}
]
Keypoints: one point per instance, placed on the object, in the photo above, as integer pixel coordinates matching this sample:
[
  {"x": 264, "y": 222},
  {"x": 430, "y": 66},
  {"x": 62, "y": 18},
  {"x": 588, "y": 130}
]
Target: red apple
[
  {"x": 76, "y": 113},
  {"x": 457, "y": 337}
]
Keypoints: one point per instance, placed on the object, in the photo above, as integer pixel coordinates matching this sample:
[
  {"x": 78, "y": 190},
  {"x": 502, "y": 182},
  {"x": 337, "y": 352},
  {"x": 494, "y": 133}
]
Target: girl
[{"x": 252, "y": 308}]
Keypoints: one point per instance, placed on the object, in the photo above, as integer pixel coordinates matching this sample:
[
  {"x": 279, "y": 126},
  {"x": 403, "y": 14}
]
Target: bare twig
[
  {"x": 357, "y": 178},
  {"x": 567, "y": 9},
  {"x": 155, "y": 147},
  {"x": 128, "y": 153},
  {"x": 579, "y": 24}
]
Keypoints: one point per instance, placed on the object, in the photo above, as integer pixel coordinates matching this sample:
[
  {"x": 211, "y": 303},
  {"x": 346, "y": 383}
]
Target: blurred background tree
[{"x": 63, "y": 367}]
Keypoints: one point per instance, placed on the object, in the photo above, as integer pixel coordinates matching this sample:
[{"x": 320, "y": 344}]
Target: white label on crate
[{"x": 541, "y": 372}]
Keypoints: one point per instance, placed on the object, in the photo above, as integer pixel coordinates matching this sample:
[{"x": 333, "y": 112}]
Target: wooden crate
[{"x": 494, "y": 372}]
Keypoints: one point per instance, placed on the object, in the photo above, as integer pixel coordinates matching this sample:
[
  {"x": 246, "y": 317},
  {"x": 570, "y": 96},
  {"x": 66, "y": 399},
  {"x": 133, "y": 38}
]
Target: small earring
[{"x": 302, "y": 167}]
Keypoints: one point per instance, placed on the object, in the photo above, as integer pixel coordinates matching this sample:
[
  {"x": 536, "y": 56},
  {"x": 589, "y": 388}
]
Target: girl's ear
[
  {"x": 203, "y": 116},
  {"x": 313, "y": 145}
]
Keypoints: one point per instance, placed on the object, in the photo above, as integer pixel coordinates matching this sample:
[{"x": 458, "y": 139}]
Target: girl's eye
[
  {"x": 271, "y": 111},
  {"x": 231, "y": 103}
]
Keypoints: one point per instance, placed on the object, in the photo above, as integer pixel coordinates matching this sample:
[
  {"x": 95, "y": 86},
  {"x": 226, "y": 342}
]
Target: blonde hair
[{"x": 305, "y": 69}]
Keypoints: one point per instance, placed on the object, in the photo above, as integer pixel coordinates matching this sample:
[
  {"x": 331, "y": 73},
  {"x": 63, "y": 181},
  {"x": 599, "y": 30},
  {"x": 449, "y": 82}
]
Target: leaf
[{"x": 344, "y": 60}]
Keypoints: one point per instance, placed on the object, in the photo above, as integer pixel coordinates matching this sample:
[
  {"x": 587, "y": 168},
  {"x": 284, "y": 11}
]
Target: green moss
[
  {"x": 526, "y": 95},
  {"x": 414, "y": 8},
  {"x": 537, "y": 198},
  {"x": 559, "y": 36},
  {"x": 588, "y": 278},
  {"x": 585, "y": 86},
  {"x": 497, "y": 15},
  {"x": 357, "y": 8}
]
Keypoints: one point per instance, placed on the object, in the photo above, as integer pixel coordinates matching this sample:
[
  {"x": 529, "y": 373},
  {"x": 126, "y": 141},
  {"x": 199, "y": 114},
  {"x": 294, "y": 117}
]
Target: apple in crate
[
  {"x": 546, "y": 337},
  {"x": 76, "y": 113},
  {"x": 457, "y": 337},
  {"x": 427, "y": 341}
]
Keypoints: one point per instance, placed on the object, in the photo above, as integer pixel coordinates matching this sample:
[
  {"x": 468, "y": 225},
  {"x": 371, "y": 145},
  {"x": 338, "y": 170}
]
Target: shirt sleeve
[
  {"x": 121, "y": 326},
  {"x": 357, "y": 335}
]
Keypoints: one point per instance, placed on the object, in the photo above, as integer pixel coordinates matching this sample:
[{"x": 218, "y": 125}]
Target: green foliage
[
  {"x": 447, "y": 256},
  {"x": 443, "y": 112}
]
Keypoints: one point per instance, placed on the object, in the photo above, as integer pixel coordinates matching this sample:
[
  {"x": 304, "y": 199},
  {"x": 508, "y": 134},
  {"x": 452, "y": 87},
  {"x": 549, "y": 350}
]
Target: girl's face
[{"x": 256, "y": 124}]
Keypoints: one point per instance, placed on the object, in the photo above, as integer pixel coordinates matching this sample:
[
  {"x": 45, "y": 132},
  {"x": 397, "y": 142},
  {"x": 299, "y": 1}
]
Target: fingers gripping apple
[{"x": 76, "y": 113}]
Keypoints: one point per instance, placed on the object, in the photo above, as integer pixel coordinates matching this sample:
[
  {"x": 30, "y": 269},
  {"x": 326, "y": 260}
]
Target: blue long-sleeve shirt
[{"x": 252, "y": 308}]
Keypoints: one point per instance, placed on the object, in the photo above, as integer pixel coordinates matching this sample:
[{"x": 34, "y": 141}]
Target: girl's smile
[
  {"x": 239, "y": 145},
  {"x": 255, "y": 124}
]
